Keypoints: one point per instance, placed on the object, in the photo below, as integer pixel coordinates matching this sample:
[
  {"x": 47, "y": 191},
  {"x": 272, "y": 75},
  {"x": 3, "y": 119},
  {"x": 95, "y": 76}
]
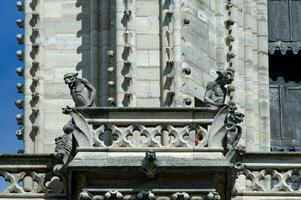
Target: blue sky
[{"x": 8, "y": 76}]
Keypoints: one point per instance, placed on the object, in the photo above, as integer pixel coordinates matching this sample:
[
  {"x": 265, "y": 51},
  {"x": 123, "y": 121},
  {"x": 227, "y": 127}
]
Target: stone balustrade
[
  {"x": 142, "y": 127},
  {"x": 25, "y": 177},
  {"x": 270, "y": 175}
]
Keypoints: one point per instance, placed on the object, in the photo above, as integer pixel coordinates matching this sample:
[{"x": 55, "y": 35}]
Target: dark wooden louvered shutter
[
  {"x": 279, "y": 20},
  {"x": 285, "y": 100}
]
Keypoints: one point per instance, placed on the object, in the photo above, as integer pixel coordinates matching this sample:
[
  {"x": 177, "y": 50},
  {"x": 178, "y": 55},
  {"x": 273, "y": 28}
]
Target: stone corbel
[
  {"x": 226, "y": 129},
  {"x": 77, "y": 129},
  {"x": 150, "y": 164},
  {"x": 82, "y": 132}
]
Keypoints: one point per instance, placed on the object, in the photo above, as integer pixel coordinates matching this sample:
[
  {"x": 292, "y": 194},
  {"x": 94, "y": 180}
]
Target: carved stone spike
[
  {"x": 35, "y": 30},
  {"x": 35, "y": 14},
  {"x": 20, "y": 5},
  {"x": 35, "y": 110},
  {"x": 186, "y": 21},
  {"x": 229, "y": 5},
  {"x": 229, "y": 39},
  {"x": 20, "y": 87},
  {"x": 230, "y": 55},
  {"x": 20, "y": 23},
  {"x": 19, "y": 103},
  {"x": 150, "y": 164},
  {"x": 20, "y": 132},
  {"x": 35, "y": 64},
  {"x": 82, "y": 91},
  {"x": 19, "y": 54},
  {"x": 35, "y": 79},
  {"x": 35, "y": 127},
  {"x": 20, "y": 38},
  {"x": 111, "y": 83},
  {"x": 111, "y": 100},
  {"x": 216, "y": 90},
  {"x": 35, "y": 96},
  {"x": 19, "y": 119},
  {"x": 110, "y": 53},
  {"x": 187, "y": 101},
  {"x": 20, "y": 71},
  {"x": 229, "y": 22},
  {"x": 110, "y": 69},
  {"x": 35, "y": 46},
  {"x": 187, "y": 71}
]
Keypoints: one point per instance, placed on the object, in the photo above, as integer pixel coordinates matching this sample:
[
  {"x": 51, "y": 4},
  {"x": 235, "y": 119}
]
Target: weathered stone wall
[
  {"x": 64, "y": 37},
  {"x": 199, "y": 45},
  {"x": 153, "y": 44},
  {"x": 251, "y": 64}
]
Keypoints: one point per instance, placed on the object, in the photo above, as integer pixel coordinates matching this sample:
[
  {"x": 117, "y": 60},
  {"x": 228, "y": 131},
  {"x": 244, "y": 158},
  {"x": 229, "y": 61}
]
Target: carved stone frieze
[
  {"x": 149, "y": 195},
  {"x": 272, "y": 180},
  {"x": 135, "y": 136},
  {"x": 146, "y": 195}
]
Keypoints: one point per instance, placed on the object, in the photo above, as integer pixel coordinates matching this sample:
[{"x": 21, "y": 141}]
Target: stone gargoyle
[
  {"x": 216, "y": 91},
  {"x": 83, "y": 93},
  {"x": 226, "y": 128}
]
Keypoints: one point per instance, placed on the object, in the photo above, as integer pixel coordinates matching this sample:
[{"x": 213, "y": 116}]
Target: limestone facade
[
  {"x": 164, "y": 54},
  {"x": 150, "y": 62}
]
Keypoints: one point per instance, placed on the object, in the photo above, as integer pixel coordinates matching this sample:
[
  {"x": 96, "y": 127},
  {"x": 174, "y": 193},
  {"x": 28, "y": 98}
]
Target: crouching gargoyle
[
  {"x": 216, "y": 91},
  {"x": 83, "y": 93}
]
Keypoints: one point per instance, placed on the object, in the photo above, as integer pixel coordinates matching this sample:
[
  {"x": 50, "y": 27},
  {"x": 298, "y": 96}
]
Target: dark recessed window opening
[{"x": 285, "y": 101}]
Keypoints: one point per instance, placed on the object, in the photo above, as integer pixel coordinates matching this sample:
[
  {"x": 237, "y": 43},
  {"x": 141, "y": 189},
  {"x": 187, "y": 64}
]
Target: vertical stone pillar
[
  {"x": 251, "y": 79},
  {"x": 34, "y": 77},
  {"x": 263, "y": 76},
  {"x": 38, "y": 110},
  {"x": 129, "y": 71},
  {"x": 104, "y": 49},
  {"x": 94, "y": 47},
  {"x": 28, "y": 141},
  {"x": 220, "y": 34},
  {"x": 177, "y": 51},
  {"x": 239, "y": 61},
  {"x": 125, "y": 53},
  {"x": 171, "y": 56}
]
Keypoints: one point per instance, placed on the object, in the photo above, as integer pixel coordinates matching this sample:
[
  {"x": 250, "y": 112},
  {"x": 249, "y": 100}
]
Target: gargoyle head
[
  {"x": 70, "y": 78},
  {"x": 239, "y": 117},
  {"x": 227, "y": 76},
  {"x": 150, "y": 155}
]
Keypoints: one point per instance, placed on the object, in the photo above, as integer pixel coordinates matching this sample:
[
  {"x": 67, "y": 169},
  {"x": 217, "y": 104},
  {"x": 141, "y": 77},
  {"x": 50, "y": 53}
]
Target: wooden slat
[
  {"x": 279, "y": 21},
  {"x": 295, "y": 8}
]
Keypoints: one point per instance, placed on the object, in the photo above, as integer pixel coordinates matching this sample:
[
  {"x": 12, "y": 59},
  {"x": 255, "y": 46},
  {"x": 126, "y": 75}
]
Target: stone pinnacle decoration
[{"x": 83, "y": 93}]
